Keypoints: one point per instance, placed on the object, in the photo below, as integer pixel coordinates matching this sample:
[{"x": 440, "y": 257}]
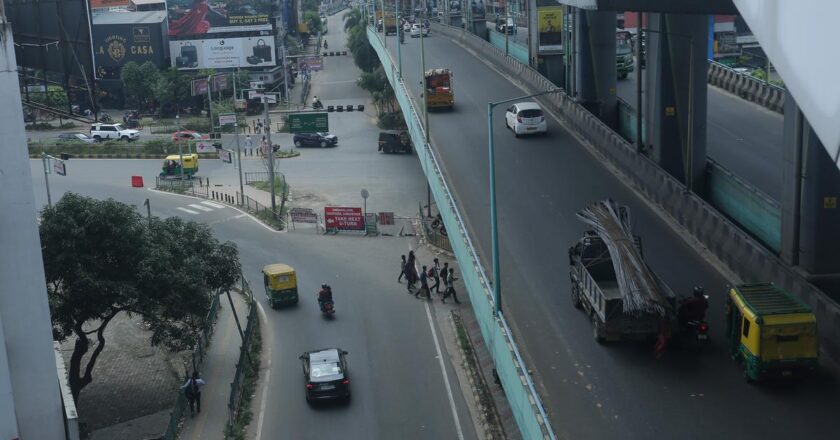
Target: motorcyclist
[
  {"x": 316, "y": 103},
  {"x": 693, "y": 308},
  {"x": 325, "y": 44},
  {"x": 325, "y": 295}
]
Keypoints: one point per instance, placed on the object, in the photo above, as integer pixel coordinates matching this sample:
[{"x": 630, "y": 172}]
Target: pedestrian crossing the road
[{"x": 198, "y": 208}]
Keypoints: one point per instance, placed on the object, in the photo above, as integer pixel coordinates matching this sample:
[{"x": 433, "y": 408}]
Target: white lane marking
[
  {"x": 240, "y": 215},
  {"x": 188, "y": 211},
  {"x": 215, "y": 205},
  {"x": 443, "y": 371},
  {"x": 266, "y": 227},
  {"x": 200, "y": 208},
  {"x": 267, "y": 378}
]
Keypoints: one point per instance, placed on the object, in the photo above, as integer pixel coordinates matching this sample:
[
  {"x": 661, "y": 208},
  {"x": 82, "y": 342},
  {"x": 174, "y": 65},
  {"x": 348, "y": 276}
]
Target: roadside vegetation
[
  {"x": 373, "y": 78},
  {"x": 158, "y": 147},
  {"x": 103, "y": 258}
]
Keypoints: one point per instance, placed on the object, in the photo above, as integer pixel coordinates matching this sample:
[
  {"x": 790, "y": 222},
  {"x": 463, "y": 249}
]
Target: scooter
[
  {"x": 697, "y": 332},
  {"x": 327, "y": 309}
]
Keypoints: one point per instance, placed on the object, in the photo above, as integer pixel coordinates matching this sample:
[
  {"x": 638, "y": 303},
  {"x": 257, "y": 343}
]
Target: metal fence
[
  {"x": 433, "y": 235},
  {"x": 197, "y": 358},
  {"x": 245, "y": 362},
  {"x": 193, "y": 187}
]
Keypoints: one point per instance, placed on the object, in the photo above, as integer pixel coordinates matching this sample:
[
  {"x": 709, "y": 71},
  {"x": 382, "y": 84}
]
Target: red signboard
[{"x": 344, "y": 219}]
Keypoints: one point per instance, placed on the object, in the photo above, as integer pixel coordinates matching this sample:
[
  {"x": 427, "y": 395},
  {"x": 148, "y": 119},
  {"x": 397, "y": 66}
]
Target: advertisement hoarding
[
  {"x": 200, "y": 17},
  {"x": 310, "y": 63},
  {"x": 223, "y": 53},
  {"x": 114, "y": 45},
  {"x": 551, "y": 28},
  {"x": 344, "y": 219},
  {"x": 100, "y": 4}
]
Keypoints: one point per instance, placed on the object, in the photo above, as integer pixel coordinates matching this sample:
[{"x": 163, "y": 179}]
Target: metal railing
[
  {"x": 193, "y": 187},
  {"x": 197, "y": 358},
  {"x": 245, "y": 362},
  {"x": 433, "y": 235}
]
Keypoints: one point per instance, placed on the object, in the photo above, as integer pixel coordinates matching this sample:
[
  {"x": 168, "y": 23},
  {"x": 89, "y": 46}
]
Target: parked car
[
  {"x": 525, "y": 118},
  {"x": 325, "y": 374},
  {"x": 100, "y": 131},
  {"x": 416, "y": 30},
  {"x": 188, "y": 135},
  {"x": 322, "y": 140},
  {"x": 75, "y": 137}
]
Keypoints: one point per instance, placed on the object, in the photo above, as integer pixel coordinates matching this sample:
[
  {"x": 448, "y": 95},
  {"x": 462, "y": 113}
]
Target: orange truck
[{"x": 439, "y": 92}]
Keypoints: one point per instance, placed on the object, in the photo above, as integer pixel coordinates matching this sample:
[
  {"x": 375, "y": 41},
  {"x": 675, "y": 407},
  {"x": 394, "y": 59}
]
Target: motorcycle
[
  {"x": 327, "y": 308},
  {"x": 437, "y": 223},
  {"x": 696, "y": 333},
  {"x": 325, "y": 44},
  {"x": 316, "y": 104}
]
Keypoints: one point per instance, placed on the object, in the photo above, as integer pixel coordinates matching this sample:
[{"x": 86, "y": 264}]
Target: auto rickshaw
[
  {"x": 172, "y": 166},
  {"x": 771, "y": 332},
  {"x": 280, "y": 284}
]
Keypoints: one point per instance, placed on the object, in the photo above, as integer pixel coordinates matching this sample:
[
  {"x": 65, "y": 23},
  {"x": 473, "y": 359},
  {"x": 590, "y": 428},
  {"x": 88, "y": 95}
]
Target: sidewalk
[{"x": 218, "y": 371}]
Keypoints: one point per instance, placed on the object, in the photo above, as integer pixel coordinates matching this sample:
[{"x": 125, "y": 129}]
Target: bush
[
  {"x": 154, "y": 147},
  {"x": 391, "y": 121}
]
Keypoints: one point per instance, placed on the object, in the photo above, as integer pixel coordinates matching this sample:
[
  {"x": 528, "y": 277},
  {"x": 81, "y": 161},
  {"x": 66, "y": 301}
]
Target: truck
[
  {"x": 600, "y": 265},
  {"x": 438, "y": 88},
  {"x": 386, "y": 21},
  {"x": 623, "y": 53}
]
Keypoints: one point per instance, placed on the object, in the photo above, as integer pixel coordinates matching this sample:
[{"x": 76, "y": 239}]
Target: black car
[
  {"x": 394, "y": 142},
  {"x": 315, "y": 140},
  {"x": 325, "y": 374}
]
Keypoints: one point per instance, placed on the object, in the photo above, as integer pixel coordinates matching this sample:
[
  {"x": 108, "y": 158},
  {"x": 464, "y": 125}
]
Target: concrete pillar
[
  {"x": 595, "y": 63},
  {"x": 669, "y": 107},
  {"x": 810, "y": 202},
  {"x": 24, "y": 312},
  {"x": 533, "y": 34}
]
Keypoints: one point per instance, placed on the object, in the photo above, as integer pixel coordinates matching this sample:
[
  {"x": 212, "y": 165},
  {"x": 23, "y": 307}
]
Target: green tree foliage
[
  {"x": 353, "y": 18},
  {"x": 313, "y": 20},
  {"x": 54, "y": 97},
  {"x": 139, "y": 82},
  {"x": 377, "y": 84},
  {"x": 172, "y": 89},
  {"x": 103, "y": 258},
  {"x": 363, "y": 53}
]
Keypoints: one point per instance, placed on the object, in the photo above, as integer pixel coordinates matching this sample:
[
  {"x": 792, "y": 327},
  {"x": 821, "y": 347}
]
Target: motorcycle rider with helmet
[{"x": 325, "y": 295}]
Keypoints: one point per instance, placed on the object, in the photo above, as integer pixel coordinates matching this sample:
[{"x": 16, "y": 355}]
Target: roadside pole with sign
[{"x": 58, "y": 166}]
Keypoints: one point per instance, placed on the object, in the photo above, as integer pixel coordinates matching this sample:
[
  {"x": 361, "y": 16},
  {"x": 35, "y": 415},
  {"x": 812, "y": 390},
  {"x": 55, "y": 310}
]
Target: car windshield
[
  {"x": 325, "y": 369},
  {"x": 118, "y": 127},
  {"x": 533, "y": 113}
]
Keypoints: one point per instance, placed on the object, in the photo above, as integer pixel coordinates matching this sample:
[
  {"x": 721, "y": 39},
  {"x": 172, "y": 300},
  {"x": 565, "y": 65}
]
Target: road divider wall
[
  {"x": 515, "y": 49},
  {"x": 741, "y": 253},
  {"x": 747, "y": 87},
  {"x": 513, "y": 374}
]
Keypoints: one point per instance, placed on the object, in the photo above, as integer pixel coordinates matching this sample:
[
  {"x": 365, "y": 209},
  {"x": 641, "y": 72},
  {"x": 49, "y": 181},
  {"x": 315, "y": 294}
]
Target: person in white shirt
[{"x": 192, "y": 390}]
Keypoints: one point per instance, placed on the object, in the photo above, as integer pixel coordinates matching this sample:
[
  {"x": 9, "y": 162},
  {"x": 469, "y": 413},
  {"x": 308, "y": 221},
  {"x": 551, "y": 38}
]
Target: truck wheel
[
  {"x": 597, "y": 330},
  {"x": 576, "y": 297}
]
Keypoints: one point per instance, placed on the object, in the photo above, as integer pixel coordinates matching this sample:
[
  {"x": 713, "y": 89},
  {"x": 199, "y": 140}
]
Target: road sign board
[
  {"x": 303, "y": 215},
  {"x": 309, "y": 122},
  {"x": 257, "y": 85},
  {"x": 59, "y": 167},
  {"x": 344, "y": 219},
  {"x": 227, "y": 119},
  {"x": 270, "y": 98},
  {"x": 254, "y": 94},
  {"x": 225, "y": 155}
]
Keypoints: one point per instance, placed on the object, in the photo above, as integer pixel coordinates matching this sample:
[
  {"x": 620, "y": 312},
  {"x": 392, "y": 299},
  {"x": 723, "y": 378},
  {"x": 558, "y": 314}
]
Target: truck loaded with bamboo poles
[{"x": 622, "y": 296}]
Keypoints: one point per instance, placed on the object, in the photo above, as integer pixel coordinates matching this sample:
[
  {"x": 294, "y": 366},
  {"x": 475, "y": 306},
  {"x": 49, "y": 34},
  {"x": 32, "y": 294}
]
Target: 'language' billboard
[
  {"x": 223, "y": 53},
  {"x": 200, "y": 17}
]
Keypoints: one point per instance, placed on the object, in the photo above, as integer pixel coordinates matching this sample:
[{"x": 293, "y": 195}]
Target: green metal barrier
[
  {"x": 516, "y": 50},
  {"x": 519, "y": 389}
]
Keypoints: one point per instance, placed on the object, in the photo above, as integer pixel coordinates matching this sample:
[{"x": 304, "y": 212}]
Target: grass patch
[
  {"x": 279, "y": 185},
  {"x": 237, "y": 430}
]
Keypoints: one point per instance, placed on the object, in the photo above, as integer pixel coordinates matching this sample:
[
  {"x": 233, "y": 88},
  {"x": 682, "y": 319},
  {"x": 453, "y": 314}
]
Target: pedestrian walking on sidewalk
[
  {"x": 249, "y": 143},
  {"x": 264, "y": 146},
  {"x": 436, "y": 275},
  {"x": 450, "y": 287},
  {"x": 411, "y": 270},
  {"x": 444, "y": 274},
  {"x": 402, "y": 269},
  {"x": 192, "y": 391},
  {"x": 424, "y": 285}
]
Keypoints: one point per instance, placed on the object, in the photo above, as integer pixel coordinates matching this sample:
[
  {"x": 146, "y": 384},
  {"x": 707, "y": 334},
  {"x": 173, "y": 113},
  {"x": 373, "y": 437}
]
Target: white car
[
  {"x": 416, "y": 31},
  {"x": 525, "y": 118},
  {"x": 114, "y": 132}
]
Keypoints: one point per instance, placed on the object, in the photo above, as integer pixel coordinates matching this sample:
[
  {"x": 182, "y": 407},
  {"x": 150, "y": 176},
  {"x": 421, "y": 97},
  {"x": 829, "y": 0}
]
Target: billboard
[
  {"x": 344, "y": 219},
  {"x": 116, "y": 44},
  {"x": 551, "y": 28},
  {"x": 201, "y": 17},
  {"x": 310, "y": 62},
  {"x": 223, "y": 53}
]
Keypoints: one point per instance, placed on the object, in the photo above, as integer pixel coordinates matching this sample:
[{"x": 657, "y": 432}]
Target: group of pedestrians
[{"x": 436, "y": 273}]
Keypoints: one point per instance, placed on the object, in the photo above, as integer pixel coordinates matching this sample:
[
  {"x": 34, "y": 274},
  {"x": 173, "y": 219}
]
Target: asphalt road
[
  {"x": 742, "y": 136},
  {"x": 612, "y": 391},
  {"x": 398, "y": 387}
]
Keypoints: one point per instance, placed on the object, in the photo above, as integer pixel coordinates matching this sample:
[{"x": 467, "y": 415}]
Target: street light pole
[
  {"x": 639, "y": 141},
  {"x": 236, "y": 135},
  {"x": 399, "y": 42},
  {"x": 46, "y": 177},
  {"x": 270, "y": 156},
  {"x": 180, "y": 148},
  {"x": 425, "y": 111},
  {"x": 494, "y": 222}
]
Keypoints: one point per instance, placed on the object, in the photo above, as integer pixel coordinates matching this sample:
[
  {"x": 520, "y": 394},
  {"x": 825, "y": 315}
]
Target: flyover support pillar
[
  {"x": 675, "y": 111},
  {"x": 810, "y": 202},
  {"x": 595, "y": 63}
]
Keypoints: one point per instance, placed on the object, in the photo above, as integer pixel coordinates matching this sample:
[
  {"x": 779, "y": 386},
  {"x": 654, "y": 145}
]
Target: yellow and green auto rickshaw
[
  {"x": 280, "y": 284},
  {"x": 172, "y": 166},
  {"x": 771, "y": 332}
]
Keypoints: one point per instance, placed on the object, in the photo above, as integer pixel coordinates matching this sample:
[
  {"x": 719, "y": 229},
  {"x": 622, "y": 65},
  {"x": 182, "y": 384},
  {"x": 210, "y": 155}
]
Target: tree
[
  {"x": 377, "y": 84},
  {"x": 313, "y": 21},
  {"x": 172, "y": 89},
  {"x": 102, "y": 258},
  {"x": 352, "y": 19},
  {"x": 363, "y": 53},
  {"x": 139, "y": 82}
]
